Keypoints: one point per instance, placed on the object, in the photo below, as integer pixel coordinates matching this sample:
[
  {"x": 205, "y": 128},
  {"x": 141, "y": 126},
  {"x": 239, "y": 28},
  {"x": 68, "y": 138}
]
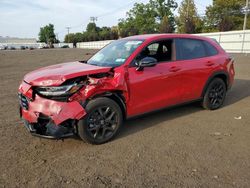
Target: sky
[{"x": 23, "y": 18}]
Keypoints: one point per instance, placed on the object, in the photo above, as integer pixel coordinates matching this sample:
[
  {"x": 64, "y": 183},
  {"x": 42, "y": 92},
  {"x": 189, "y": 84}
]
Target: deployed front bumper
[{"x": 48, "y": 118}]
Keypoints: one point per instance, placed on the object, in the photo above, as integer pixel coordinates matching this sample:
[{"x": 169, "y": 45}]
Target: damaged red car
[{"x": 128, "y": 77}]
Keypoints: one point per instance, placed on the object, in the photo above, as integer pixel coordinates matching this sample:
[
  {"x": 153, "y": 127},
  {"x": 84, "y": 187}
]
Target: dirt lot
[{"x": 182, "y": 147}]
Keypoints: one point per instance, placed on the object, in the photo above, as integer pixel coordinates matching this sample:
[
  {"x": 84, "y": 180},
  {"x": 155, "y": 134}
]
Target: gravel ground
[{"x": 182, "y": 147}]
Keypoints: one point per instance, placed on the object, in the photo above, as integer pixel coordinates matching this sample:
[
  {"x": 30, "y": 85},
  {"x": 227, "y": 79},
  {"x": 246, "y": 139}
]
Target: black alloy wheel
[
  {"x": 215, "y": 94},
  {"x": 102, "y": 122}
]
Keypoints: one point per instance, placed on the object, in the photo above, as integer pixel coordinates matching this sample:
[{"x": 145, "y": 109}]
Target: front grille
[{"x": 23, "y": 101}]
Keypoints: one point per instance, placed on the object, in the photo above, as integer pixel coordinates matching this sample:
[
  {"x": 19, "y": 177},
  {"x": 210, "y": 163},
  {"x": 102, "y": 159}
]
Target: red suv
[{"x": 129, "y": 77}]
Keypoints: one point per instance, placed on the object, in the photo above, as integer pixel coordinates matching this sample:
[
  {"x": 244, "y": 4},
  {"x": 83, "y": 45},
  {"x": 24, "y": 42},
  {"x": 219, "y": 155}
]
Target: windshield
[{"x": 115, "y": 54}]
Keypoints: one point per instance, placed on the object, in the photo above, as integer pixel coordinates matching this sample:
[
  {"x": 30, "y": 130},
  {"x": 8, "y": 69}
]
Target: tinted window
[
  {"x": 190, "y": 49},
  {"x": 211, "y": 50},
  {"x": 162, "y": 51}
]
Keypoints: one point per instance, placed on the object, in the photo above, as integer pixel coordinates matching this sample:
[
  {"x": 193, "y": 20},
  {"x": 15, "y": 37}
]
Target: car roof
[{"x": 165, "y": 35}]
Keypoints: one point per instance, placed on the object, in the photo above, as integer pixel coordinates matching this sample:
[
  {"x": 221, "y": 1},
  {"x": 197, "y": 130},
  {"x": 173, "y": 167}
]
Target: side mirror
[{"x": 146, "y": 62}]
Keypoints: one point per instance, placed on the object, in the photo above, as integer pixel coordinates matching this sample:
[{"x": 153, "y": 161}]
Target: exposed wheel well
[{"x": 118, "y": 97}]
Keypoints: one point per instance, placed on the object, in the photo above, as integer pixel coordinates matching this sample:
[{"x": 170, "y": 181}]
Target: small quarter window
[{"x": 211, "y": 50}]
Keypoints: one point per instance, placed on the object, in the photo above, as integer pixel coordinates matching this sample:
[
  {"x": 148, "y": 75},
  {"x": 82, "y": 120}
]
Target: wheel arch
[
  {"x": 219, "y": 74},
  {"x": 116, "y": 96}
]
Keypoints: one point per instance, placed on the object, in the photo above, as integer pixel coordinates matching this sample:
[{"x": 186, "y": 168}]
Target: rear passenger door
[{"x": 196, "y": 62}]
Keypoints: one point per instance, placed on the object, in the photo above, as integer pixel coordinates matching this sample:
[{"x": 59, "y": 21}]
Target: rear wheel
[
  {"x": 215, "y": 94},
  {"x": 102, "y": 122}
]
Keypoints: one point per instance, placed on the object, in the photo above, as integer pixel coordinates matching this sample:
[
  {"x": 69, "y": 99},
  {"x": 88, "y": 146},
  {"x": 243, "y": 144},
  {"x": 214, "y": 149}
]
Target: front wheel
[
  {"x": 102, "y": 122},
  {"x": 215, "y": 94}
]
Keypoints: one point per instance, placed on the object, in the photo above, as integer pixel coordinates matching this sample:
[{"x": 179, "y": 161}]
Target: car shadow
[
  {"x": 239, "y": 91},
  {"x": 140, "y": 123}
]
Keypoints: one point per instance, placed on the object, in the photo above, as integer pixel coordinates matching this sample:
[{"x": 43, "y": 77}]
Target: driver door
[{"x": 154, "y": 87}]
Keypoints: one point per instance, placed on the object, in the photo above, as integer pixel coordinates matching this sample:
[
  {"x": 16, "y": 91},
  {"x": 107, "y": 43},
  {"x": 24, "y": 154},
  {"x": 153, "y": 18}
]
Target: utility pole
[
  {"x": 68, "y": 28},
  {"x": 188, "y": 9},
  {"x": 93, "y": 19},
  {"x": 246, "y": 13}
]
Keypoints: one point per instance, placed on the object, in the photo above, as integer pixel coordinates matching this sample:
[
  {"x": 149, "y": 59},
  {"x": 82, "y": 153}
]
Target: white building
[{"x": 15, "y": 40}]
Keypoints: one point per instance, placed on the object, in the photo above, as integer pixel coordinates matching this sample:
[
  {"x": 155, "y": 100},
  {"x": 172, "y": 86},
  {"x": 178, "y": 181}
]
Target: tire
[
  {"x": 102, "y": 122},
  {"x": 215, "y": 94}
]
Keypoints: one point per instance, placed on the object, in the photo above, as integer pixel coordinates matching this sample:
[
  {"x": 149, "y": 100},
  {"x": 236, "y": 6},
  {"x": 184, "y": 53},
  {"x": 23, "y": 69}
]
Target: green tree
[
  {"x": 225, "y": 15},
  {"x": 188, "y": 20},
  {"x": 105, "y": 33},
  {"x": 91, "y": 27},
  {"x": 165, "y": 26},
  {"x": 69, "y": 38},
  {"x": 85, "y": 37},
  {"x": 141, "y": 19},
  {"x": 127, "y": 28},
  {"x": 148, "y": 18},
  {"x": 47, "y": 34},
  {"x": 92, "y": 32},
  {"x": 78, "y": 37},
  {"x": 164, "y": 13},
  {"x": 74, "y": 37},
  {"x": 114, "y": 32}
]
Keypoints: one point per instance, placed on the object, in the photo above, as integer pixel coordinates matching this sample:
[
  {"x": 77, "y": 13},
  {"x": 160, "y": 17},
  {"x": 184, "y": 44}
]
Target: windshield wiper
[
  {"x": 86, "y": 62},
  {"x": 82, "y": 61},
  {"x": 93, "y": 64}
]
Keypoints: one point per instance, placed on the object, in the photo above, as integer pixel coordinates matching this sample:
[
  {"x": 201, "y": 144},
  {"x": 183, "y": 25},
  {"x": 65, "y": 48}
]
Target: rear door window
[{"x": 190, "y": 49}]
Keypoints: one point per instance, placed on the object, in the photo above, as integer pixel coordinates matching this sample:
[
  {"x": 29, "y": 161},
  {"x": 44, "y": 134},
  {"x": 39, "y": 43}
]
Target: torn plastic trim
[{"x": 58, "y": 135}]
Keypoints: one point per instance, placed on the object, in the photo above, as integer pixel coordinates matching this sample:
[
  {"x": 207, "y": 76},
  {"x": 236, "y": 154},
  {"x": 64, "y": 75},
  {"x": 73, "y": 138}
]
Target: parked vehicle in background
[
  {"x": 2, "y": 47},
  {"x": 12, "y": 48},
  {"x": 65, "y": 46},
  {"x": 127, "y": 78},
  {"x": 43, "y": 46},
  {"x": 22, "y": 47},
  {"x": 31, "y": 48}
]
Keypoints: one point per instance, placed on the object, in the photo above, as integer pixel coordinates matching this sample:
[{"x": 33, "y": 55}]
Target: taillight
[
  {"x": 231, "y": 60},
  {"x": 230, "y": 65}
]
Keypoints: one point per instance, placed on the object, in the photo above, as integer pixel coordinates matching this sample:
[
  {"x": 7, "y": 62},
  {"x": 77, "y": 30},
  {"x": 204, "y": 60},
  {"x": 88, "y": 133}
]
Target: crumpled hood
[{"x": 57, "y": 74}]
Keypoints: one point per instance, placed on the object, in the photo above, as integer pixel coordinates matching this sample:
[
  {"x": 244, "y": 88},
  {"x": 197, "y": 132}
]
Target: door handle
[
  {"x": 174, "y": 69},
  {"x": 209, "y": 63}
]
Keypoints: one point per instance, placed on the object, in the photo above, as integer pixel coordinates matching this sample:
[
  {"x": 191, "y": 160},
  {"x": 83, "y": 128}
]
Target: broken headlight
[{"x": 59, "y": 91}]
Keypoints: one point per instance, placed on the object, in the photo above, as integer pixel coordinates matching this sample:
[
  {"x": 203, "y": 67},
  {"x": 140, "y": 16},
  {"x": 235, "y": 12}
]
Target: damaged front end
[
  {"x": 54, "y": 111},
  {"x": 49, "y": 118}
]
